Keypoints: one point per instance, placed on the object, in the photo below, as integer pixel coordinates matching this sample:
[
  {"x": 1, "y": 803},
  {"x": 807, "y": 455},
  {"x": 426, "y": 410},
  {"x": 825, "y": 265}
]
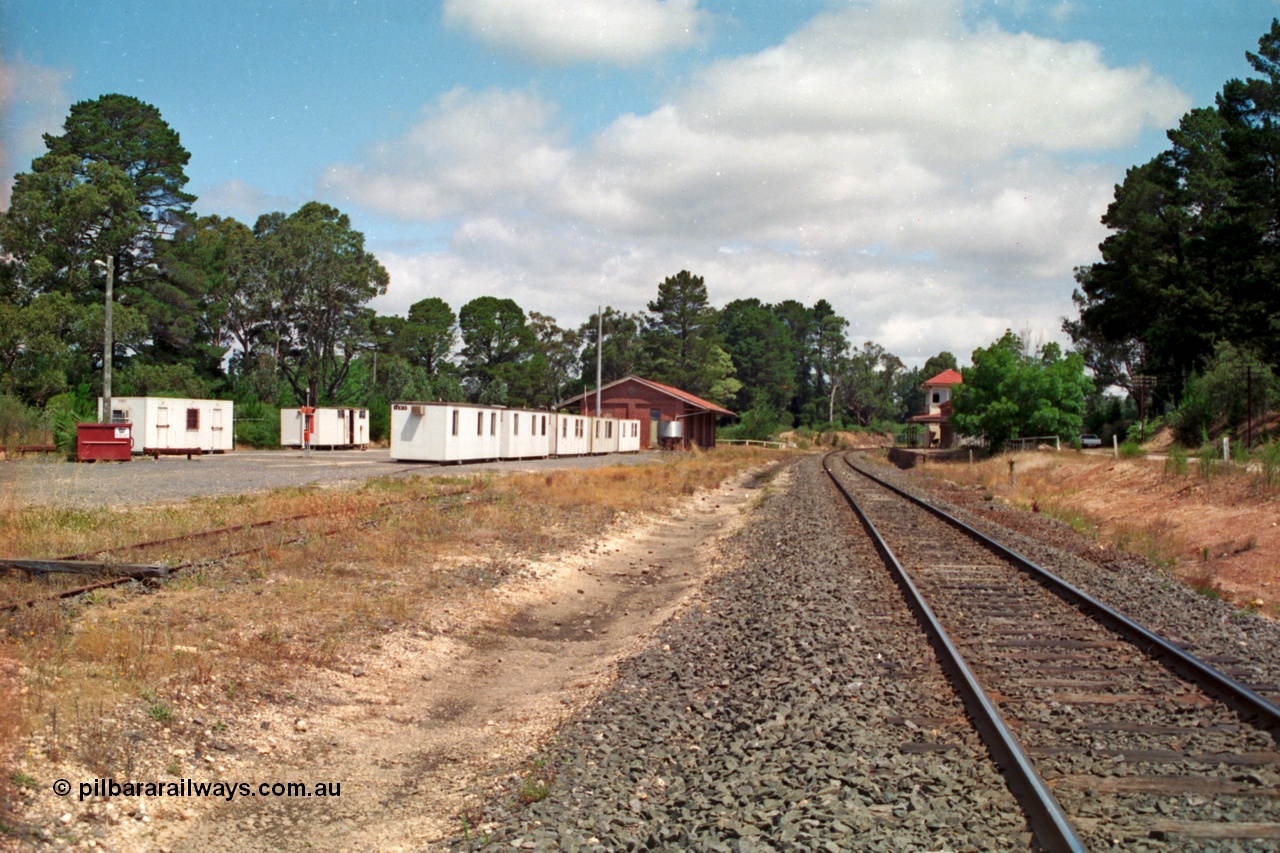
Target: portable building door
[{"x": 161, "y": 437}]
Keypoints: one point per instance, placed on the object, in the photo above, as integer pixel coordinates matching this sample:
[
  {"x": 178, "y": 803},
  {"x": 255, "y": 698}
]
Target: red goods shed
[{"x": 674, "y": 417}]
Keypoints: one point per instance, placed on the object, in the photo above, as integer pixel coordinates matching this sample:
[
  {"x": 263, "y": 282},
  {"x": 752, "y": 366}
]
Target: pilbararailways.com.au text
[{"x": 191, "y": 788}]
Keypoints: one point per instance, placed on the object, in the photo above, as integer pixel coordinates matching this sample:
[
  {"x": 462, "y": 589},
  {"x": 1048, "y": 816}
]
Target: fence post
[
  {"x": 1226, "y": 449},
  {"x": 1115, "y": 446}
]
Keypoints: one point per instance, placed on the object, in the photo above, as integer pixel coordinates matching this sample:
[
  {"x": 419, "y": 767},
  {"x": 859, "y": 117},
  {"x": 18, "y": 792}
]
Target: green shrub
[
  {"x": 64, "y": 411},
  {"x": 257, "y": 425},
  {"x": 758, "y": 424},
  {"x": 1268, "y": 459},
  {"x": 20, "y": 424},
  {"x": 1132, "y": 450},
  {"x": 1210, "y": 460},
  {"x": 1140, "y": 433},
  {"x": 1176, "y": 462}
]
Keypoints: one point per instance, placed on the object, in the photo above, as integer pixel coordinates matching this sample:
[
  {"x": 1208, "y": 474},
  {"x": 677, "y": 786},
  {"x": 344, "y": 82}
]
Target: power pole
[
  {"x": 108, "y": 345},
  {"x": 1142, "y": 384},
  {"x": 1248, "y": 384},
  {"x": 599, "y": 353}
]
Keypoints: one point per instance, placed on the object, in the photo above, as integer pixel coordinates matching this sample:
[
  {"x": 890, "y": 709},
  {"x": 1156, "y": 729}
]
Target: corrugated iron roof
[{"x": 658, "y": 386}]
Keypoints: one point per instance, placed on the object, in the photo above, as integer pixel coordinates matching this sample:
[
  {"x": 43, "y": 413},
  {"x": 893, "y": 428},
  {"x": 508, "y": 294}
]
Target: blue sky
[{"x": 933, "y": 168}]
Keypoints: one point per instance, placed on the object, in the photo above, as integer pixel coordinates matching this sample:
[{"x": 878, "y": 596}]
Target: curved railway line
[{"x": 1104, "y": 730}]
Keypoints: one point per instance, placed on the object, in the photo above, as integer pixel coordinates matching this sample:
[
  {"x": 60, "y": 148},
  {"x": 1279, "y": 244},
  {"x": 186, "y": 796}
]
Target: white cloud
[
  {"x": 34, "y": 101},
  {"x": 470, "y": 150},
  {"x": 564, "y": 31},
  {"x": 242, "y": 201},
  {"x": 893, "y": 160}
]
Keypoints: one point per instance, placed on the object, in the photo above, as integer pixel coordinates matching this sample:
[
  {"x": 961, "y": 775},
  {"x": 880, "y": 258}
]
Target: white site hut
[
  {"x": 629, "y": 436},
  {"x": 526, "y": 434},
  {"x": 445, "y": 432},
  {"x": 573, "y": 435},
  {"x": 331, "y": 428},
  {"x": 175, "y": 425}
]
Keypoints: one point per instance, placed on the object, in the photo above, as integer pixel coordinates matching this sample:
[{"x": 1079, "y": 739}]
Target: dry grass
[
  {"x": 324, "y": 590},
  {"x": 1208, "y": 530}
]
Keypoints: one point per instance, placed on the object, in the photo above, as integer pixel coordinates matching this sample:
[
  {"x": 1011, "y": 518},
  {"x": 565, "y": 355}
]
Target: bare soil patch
[{"x": 419, "y": 721}]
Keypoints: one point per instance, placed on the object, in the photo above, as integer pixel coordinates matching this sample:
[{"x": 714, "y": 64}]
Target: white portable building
[
  {"x": 330, "y": 427},
  {"x": 445, "y": 432},
  {"x": 604, "y": 435},
  {"x": 573, "y": 435},
  {"x": 526, "y": 434},
  {"x": 171, "y": 423},
  {"x": 628, "y": 436}
]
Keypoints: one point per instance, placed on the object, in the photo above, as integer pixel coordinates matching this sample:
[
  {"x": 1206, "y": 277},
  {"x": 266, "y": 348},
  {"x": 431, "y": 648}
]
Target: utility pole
[
  {"x": 1142, "y": 384},
  {"x": 107, "y": 342},
  {"x": 599, "y": 353},
  {"x": 1248, "y": 384}
]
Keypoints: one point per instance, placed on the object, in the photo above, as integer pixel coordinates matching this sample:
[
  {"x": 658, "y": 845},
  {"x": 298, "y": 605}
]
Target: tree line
[
  {"x": 277, "y": 313},
  {"x": 1183, "y": 309}
]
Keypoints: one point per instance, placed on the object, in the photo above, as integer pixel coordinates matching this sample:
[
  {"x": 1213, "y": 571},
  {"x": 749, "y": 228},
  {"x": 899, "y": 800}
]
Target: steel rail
[
  {"x": 1202, "y": 673},
  {"x": 170, "y": 571},
  {"x": 1049, "y": 822}
]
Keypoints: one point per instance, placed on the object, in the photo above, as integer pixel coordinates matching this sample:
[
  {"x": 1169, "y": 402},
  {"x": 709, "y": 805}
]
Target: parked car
[{"x": 1087, "y": 440}]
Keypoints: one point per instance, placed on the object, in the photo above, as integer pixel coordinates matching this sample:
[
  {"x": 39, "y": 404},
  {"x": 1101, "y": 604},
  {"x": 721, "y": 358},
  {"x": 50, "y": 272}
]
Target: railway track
[
  {"x": 1107, "y": 733},
  {"x": 235, "y": 544}
]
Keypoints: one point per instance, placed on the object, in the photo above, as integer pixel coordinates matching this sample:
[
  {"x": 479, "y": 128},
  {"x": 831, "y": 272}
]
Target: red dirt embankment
[{"x": 1220, "y": 534}]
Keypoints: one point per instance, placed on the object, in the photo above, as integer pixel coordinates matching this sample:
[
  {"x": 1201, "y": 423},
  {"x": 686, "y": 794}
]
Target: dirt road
[{"x": 423, "y": 727}]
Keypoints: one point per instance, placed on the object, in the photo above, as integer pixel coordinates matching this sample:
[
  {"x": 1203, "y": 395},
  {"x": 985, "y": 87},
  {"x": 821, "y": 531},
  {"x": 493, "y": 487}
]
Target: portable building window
[
  {"x": 493, "y": 423},
  {"x": 479, "y": 423},
  {"x": 455, "y": 421},
  {"x": 564, "y": 428},
  {"x": 193, "y": 419},
  {"x": 597, "y": 429},
  {"x": 608, "y": 429},
  {"x": 515, "y": 424},
  {"x": 544, "y": 424}
]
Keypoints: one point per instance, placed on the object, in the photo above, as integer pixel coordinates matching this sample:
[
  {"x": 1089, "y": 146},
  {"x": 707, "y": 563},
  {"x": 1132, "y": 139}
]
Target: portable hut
[
  {"x": 628, "y": 435},
  {"x": 526, "y": 434},
  {"x": 604, "y": 436},
  {"x": 331, "y": 428},
  {"x": 573, "y": 435},
  {"x": 445, "y": 432},
  {"x": 176, "y": 425}
]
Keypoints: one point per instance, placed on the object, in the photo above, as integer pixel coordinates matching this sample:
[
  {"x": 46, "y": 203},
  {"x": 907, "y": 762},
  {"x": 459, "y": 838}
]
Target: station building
[{"x": 668, "y": 416}]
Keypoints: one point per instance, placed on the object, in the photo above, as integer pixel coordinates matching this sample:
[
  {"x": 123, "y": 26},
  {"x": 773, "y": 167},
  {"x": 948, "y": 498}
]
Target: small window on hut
[
  {"x": 479, "y": 423},
  {"x": 937, "y": 397},
  {"x": 544, "y": 424},
  {"x": 564, "y": 428},
  {"x": 608, "y": 429},
  {"x": 193, "y": 419},
  {"x": 455, "y": 421},
  {"x": 493, "y": 423},
  {"x": 515, "y": 424}
]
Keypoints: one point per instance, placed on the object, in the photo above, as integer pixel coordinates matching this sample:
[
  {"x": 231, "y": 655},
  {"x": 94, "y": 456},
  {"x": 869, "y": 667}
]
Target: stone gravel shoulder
[{"x": 799, "y": 708}]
